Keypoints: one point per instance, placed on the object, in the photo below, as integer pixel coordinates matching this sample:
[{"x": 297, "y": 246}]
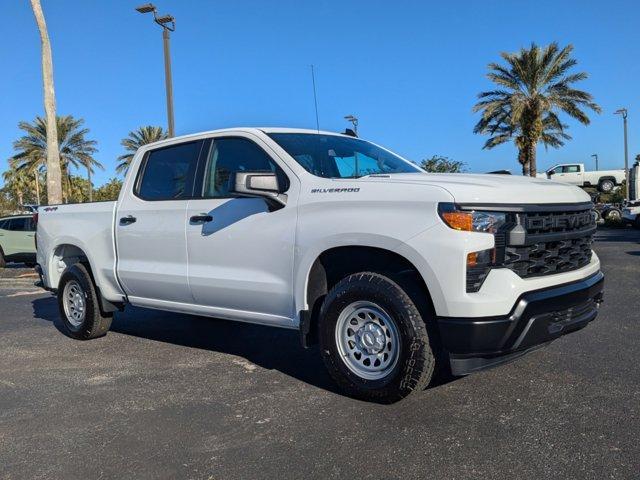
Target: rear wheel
[
  {"x": 79, "y": 305},
  {"x": 606, "y": 186},
  {"x": 374, "y": 340},
  {"x": 614, "y": 215}
]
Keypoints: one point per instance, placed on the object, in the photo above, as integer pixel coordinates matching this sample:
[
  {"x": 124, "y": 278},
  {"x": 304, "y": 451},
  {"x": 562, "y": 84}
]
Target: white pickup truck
[
  {"x": 399, "y": 275},
  {"x": 575, "y": 174}
]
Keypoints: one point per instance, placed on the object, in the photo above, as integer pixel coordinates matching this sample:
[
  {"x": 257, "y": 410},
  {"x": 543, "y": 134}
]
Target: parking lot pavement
[
  {"x": 17, "y": 282},
  {"x": 175, "y": 396}
]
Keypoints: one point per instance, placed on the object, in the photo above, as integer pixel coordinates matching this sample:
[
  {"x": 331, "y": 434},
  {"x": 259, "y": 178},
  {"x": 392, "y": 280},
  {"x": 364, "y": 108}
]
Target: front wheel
[
  {"x": 79, "y": 305},
  {"x": 374, "y": 340}
]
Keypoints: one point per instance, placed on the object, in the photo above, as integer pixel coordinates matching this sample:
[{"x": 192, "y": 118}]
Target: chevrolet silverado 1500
[
  {"x": 575, "y": 174},
  {"x": 399, "y": 275}
]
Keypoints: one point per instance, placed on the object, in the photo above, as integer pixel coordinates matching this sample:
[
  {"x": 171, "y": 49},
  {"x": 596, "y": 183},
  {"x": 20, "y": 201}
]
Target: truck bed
[{"x": 86, "y": 230}]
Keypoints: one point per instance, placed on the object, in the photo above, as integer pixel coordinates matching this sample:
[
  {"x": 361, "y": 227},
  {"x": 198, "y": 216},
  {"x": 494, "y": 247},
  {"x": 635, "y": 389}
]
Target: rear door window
[
  {"x": 168, "y": 173},
  {"x": 19, "y": 224}
]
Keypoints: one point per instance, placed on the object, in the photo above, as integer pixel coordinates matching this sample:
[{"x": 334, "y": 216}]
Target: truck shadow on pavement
[
  {"x": 268, "y": 347},
  {"x": 629, "y": 234}
]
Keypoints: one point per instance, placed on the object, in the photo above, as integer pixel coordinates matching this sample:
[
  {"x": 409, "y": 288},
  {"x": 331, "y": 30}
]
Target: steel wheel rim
[
  {"x": 74, "y": 303},
  {"x": 368, "y": 340}
]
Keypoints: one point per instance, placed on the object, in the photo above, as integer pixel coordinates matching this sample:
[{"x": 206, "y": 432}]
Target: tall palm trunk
[
  {"x": 522, "y": 159},
  {"x": 531, "y": 157},
  {"x": 54, "y": 174},
  {"x": 37, "y": 175}
]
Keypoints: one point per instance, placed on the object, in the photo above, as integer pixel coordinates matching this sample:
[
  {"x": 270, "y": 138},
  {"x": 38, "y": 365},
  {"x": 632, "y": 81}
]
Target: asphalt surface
[{"x": 175, "y": 396}]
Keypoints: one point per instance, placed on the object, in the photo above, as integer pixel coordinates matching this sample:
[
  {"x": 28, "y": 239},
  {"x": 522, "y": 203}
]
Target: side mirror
[
  {"x": 259, "y": 184},
  {"x": 550, "y": 172}
]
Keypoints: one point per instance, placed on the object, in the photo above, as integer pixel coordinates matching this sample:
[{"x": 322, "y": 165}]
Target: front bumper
[
  {"x": 537, "y": 318},
  {"x": 628, "y": 217}
]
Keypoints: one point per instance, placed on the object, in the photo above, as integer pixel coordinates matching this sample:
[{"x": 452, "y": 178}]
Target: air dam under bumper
[{"x": 537, "y": 318}]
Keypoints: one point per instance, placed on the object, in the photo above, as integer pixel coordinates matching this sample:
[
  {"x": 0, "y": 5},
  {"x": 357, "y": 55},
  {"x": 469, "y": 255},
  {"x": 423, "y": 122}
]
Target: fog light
[{"x": 478, "y": 267}]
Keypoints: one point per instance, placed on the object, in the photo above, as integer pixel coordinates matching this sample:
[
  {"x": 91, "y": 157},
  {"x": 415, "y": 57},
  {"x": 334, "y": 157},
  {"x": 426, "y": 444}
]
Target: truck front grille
[
  {"x": 544, "y": 243},
  {"x": 533, "y": 243},
  {"x": 544, "y": 258}
]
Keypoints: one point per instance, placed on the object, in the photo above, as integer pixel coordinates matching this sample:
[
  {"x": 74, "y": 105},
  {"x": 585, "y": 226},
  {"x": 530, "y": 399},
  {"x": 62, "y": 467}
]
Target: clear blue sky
[{"x": 409, "y": 69}]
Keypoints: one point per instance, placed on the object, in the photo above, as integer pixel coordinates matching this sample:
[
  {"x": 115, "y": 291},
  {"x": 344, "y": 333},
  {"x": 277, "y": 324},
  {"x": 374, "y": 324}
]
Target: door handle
[
  {"x": 129, "y": 219},
  {"x": 203, "y": 217}
]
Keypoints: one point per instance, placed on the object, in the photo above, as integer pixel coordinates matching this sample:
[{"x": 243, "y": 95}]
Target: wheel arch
[
  {"x": 335, "y": 263},
  {"x": 607, "y": 177},
  {"x": 66, "y": 254}
]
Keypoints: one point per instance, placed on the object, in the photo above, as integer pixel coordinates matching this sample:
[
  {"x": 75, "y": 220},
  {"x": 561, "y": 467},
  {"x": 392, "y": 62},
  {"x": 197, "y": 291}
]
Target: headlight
[
  {"x": 470, "y": 220},
  {"x": 479, "y": 264}
]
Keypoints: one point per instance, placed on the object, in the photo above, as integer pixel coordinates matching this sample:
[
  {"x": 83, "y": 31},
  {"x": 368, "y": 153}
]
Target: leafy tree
[
  {"x": 8, "y": 205},
  {"x": 18, "y": 186},
  {"x": 108, "y": 191},
  {"x": 440, "y": 164},
  {"x": 135, "y": 140},
  {"x": 534, "y": 86},
  {"x": 74, "y": 149},
  {"x": 77, "y": 189}
]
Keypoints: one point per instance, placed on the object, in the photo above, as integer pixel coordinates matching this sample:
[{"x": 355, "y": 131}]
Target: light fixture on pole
[
  {"x": 354, "y": 121},
  {"x": 595, "y": 155},
  {"x": 168, "y": 24},
  {"x": 623, "y": 112}
]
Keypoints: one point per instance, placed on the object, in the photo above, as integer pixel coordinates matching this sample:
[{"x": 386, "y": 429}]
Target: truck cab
[{"x": 568, "y": 173}]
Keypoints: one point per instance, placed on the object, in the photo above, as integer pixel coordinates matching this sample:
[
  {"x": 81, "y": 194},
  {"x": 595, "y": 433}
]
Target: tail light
[{"x": 34, "y": 219}]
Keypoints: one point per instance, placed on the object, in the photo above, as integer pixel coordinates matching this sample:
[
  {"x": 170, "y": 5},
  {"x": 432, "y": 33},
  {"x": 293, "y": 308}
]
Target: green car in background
[{"x": 17, "y": 240}]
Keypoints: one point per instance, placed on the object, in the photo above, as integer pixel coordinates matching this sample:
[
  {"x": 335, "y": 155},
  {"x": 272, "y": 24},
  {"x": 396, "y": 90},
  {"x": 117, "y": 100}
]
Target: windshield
[{"x": 332, "y": 156}]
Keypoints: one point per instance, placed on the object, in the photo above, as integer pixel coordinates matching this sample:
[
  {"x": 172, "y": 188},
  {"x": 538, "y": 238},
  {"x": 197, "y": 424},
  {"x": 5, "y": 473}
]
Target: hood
[{"x": 486, "y": 188}]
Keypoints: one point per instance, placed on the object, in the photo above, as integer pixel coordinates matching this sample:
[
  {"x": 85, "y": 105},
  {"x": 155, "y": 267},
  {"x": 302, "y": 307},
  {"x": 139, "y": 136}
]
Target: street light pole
[
  {"x": 89, "y": 178},
  {"x": 595, "y": 155},
  {"x": 167, "y": 81},
  {"x": 168, "y": 24},
  {"x": 623, "y": 112}
]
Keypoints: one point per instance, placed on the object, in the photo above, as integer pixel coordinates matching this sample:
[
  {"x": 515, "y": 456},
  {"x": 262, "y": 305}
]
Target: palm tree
[
  {"x": 17, "y": 183},
  {"x": 74, "y": 149},
  {"x": 54, "y": 170},
  {"x": 533, "y": 88},
  {"x": 136, "y": 139}
]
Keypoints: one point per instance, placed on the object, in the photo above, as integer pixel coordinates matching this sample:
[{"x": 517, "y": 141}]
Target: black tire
[
  {"x": 599, "y": 218},
  {"x": 95, "y": 323},
  {"x": 415, "y": 363},
  {"x": 614, "y": 214},
  {"x": 606, "y": 185},
  {"x": 636, "y": 222},
  {"x": 3, "y": 262}
]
